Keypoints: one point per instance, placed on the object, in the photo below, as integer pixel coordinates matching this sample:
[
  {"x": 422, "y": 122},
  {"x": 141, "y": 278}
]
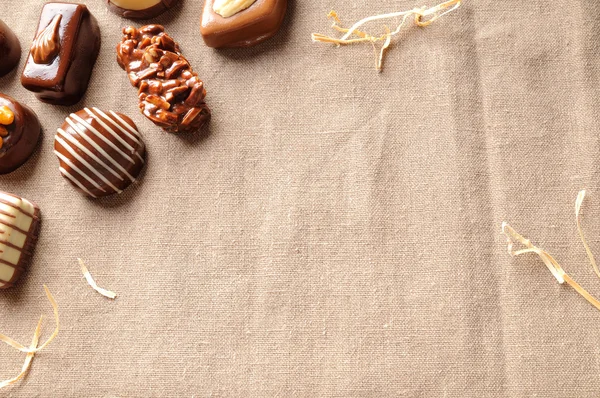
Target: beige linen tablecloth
[{"x": 335, "y": 232}]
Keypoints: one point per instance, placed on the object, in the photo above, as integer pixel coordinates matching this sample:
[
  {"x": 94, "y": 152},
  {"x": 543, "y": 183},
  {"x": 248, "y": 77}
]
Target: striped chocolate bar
[{"x": 19, "y": 228}]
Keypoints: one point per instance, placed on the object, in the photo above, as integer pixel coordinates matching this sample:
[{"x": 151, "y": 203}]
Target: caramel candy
[
  {"x": 170, "y": 92},
  {"x": 240, "y": 23},
  {"x": 100, "y": 153},
  {"x": 140, "y": 9},
  {"x": 19, "y": 229},
  {"x": 10, "y": 49},
  {"x": 63, "y": 54},
  {"x": 19, "y": 133}
]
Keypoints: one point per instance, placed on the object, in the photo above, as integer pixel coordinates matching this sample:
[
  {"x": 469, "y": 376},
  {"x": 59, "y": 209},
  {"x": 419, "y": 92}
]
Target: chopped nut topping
[{"x": 170, "y": 92}]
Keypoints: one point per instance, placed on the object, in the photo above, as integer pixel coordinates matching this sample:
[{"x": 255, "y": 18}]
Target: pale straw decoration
[
  {"x": 555, "y": 268},
  {"x": 92, "y": 282},
  {"x": 422, "y": 16}
]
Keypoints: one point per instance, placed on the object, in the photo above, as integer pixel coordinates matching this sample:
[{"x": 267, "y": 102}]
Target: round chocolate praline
[
  {"x": 100, "y": 153},
  {"x": 10, "y": 49},
  {"x": 19, "y": 138},
  {"x": 154, "y": 8}
]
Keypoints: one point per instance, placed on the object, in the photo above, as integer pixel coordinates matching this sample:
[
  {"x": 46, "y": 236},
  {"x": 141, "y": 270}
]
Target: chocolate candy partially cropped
[
  {"x": 170, "y": 92},
  {"x": 19, "y": 133},
  {"x": 63, "y": 54},
  {"x": 10, "y": 49},
  {"x": 19, "y": 229},
  {"x": 100, "y": 153},
  {"x": 240, "y": 23},
  {"x": 140, "y": 9}
]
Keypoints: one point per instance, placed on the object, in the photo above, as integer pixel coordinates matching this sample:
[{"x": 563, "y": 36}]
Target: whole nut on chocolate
[
  {"x": 170, "y": 92},
  {"x": 227, "y": 8},
  {"x": 19, "y": 229},
  {"x": 140, "y": 9}
]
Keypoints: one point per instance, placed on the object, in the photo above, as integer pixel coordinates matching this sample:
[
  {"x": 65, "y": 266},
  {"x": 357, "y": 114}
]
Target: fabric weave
[{"x": 335, "y": 232}]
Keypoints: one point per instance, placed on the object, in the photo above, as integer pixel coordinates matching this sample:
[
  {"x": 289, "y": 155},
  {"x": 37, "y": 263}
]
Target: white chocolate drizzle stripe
[
  {"x": 15, "y": 206},
  {"x": 140, "y": 157},
  {"x": 88, "y": 152},
  {"x": 101, "y": 136},
  {"x": 85, "y": 163},
  {"x": 98, "y": 148},
  {"x": 78, "y": 170},
  {"x": 111, "y": 131},
  {"x": 15, "y": 217},
  {"x": 10, "y": 225},
  {"x": 117, "y": 125},
  {"x": 75, "y": 181},
  {"x": 119, "y": 118}
]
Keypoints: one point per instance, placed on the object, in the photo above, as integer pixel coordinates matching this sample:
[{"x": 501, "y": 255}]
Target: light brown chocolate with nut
[{"x": 170, "y": 92}]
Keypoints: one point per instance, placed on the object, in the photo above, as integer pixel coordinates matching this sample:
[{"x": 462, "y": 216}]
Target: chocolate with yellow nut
[
  {"x": 10, "y": 49},
  {"x": 170, "y": 92},
  {"x": 19, "y": 229},
  {"x": 226, "y": 23},
  {"x": 63, "y": 54},
  {"x": 140, "y": 9},
  {"x": 19, "y": 133}
]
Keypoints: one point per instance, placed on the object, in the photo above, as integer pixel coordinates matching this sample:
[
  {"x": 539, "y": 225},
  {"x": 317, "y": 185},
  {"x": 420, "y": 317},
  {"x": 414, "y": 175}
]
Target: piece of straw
[
  {"x": 419, "y": 14},
  {"x": 92, "y": 282},
  {"x": 555, "y": 268},
  {"x": 21, "y": 347},
  {"x": 28, "y": 358}
]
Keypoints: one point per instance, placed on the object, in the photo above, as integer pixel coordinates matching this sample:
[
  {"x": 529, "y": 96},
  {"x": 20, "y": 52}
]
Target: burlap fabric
[{"x": 335, "y": 232}]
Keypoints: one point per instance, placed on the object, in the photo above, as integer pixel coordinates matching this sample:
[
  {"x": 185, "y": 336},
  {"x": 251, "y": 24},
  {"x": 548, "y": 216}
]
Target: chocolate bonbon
[
  {"x": 140, "y": 9},
  {"x": 19, "y": 229},
  {"x": 170, "y": 92},
  {"x": 240, "y": 23},
  {"x": 10, "y": 49},
  {"x": 63, "y": 53},
  {"x": 19, "y": 133},
  {"x": 100, "y": 153}
]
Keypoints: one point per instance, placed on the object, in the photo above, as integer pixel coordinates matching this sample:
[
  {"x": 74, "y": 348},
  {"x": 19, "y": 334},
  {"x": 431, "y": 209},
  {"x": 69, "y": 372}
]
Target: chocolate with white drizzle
[
  {"x": 19, "y": 228},
  {"x": 100, "y": 153}
]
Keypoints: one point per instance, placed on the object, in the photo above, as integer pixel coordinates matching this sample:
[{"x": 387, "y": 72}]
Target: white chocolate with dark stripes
[
  {"x": 19, "y": 227},
  {"x": 100, "y": 153}
]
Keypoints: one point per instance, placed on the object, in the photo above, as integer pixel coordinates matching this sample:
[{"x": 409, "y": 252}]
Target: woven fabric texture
[{"x": 334, "y": 232}]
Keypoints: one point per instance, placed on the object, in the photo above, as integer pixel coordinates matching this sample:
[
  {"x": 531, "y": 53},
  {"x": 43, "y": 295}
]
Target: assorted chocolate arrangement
[
  {"x": 102, "y": 152},
  {"x": 19, "y": 227}
]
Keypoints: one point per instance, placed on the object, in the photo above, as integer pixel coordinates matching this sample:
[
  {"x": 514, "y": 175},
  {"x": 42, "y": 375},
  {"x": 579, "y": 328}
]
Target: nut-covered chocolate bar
[
  {"x": 19, "y": 228},
  {"x": 10, "y": 49},
  {"x": 140, "y": 9},
  {"x": 100, "y": 153},
  {"x": 170, "y": 92},
  {"x": 19, "y": 133},
  {"x": 240, "y": 23},
  {"x": 63, "y": 54}
]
